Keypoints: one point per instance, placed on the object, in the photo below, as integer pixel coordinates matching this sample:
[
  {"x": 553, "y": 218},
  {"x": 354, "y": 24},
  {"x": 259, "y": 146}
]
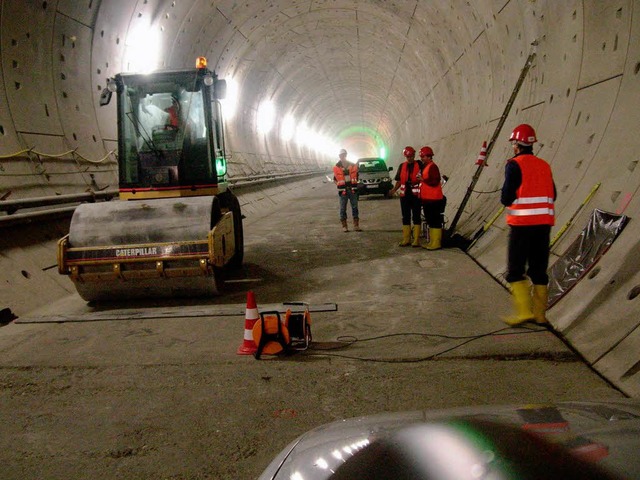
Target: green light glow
[
  {"x": 362, "y": 142},
  {"x": 221, "y": 167}
]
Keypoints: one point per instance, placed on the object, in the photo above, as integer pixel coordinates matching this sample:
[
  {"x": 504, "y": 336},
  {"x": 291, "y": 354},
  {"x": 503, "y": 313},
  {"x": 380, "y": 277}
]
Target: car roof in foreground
[{"x": 605, "y": 433}]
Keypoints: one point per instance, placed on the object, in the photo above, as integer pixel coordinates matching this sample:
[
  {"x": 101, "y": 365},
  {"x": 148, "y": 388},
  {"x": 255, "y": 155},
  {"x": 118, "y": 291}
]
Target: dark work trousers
[
  {"x": 529, "y": 249},
  {"x": 433, "y": 211},
  {"x": 410, "y": 205},
  {"x": 350, "y": 196}
]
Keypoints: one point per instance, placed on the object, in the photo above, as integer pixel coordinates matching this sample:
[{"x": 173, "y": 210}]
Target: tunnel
[{"x": 307, "y": 77}]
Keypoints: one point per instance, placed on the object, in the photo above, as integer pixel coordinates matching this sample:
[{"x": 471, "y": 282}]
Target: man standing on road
[
  {"x": 529, "y": 194},
  {"x": 345, "y": 176},
  {"x": 407, "y": 180},
  {"x": 433, "y": 201}
]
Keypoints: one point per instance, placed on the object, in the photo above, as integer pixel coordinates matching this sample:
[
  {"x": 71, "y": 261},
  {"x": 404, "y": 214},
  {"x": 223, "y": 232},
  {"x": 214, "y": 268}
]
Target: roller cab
[{"x": 176, "y": 225}]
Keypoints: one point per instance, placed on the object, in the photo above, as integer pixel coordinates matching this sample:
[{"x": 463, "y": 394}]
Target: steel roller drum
[
  {"x": 131, "y": 223},
  {"x": 142, "y": 221}
]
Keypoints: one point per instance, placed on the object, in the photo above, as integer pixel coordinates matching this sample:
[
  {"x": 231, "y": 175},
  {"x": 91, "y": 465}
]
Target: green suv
[{"x": 373, "y": 176}]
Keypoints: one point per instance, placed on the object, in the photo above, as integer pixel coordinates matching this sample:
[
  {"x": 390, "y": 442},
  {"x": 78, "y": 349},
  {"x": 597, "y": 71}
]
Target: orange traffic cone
[
  {"x": 482, "y": 156},
  {"x": 248, "y": 346}
]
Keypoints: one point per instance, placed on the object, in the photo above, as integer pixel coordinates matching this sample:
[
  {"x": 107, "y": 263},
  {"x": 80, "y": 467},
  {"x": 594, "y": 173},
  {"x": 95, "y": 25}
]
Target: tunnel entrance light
[{"x": 363, "y": 141}]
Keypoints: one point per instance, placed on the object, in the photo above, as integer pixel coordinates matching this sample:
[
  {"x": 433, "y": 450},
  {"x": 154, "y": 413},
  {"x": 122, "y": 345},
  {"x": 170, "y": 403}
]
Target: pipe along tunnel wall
[{"x": 441, "y": 74}]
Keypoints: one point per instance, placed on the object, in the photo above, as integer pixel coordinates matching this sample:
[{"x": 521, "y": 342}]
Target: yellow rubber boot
[
  {"x": 416, "y": 236},
  {"x": 435, "y": 239},
  {"x": 406, "y": 236},
  {"x": 540, "y": 300},
  {"x": 521, "y": 292}
]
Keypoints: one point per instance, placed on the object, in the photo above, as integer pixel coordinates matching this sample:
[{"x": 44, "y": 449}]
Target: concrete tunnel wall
[{"x": 415, "y": 72}]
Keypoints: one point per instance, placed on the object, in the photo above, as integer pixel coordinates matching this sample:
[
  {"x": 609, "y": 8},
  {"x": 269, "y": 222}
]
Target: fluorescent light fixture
[
  {"x": 143, "y": 48},
  {"x": 230, "y": 102},
  {"x": 302, "y": 134},
  {"x": 266, "y": 116},
  {"x": 288, "y": 129}
]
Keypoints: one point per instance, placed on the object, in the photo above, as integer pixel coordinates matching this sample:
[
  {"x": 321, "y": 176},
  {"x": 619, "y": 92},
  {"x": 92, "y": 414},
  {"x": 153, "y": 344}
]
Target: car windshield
[{"x": 373, "y": 165}]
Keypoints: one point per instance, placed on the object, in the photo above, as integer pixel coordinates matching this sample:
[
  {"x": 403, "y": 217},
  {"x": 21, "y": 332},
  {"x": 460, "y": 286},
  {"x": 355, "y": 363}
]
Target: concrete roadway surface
[{"x": 170, "y": 398}]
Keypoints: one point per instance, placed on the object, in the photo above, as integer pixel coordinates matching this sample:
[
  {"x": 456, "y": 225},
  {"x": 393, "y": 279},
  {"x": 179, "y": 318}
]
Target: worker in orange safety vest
[
  {"x": 407, "y": 180},
  {"x": 529, "y": 194},
  {"x": 433, "y": 201},
  {"x": 345, "y": 176},
  {"x": 173, "y": 121}
]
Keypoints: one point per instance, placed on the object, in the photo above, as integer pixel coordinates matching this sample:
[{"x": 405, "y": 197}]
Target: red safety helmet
[
  {"x": 426, "y": 152},
  {"x": 409, "y": 152},
  {"x": 523, "y": 134}
]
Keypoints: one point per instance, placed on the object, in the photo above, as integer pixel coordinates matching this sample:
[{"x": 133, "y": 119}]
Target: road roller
[{"x": 176, "y": 226}]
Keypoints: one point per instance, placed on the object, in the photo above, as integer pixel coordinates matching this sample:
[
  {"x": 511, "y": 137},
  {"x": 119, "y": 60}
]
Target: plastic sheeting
[{"x": 592, "y": 243}]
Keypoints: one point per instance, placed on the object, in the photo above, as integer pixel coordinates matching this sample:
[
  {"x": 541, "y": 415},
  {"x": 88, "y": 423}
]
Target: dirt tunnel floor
[{"x": 170, "y": 398}]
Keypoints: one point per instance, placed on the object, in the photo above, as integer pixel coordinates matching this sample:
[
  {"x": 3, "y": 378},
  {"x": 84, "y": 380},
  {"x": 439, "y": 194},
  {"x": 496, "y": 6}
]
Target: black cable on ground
[
  {"x": 467, "y": 339},
  {"x": 491, "y": 191}
]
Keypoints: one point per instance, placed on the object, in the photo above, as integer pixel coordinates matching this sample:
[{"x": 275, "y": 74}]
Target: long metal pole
[{"x": 496, "y": 132}]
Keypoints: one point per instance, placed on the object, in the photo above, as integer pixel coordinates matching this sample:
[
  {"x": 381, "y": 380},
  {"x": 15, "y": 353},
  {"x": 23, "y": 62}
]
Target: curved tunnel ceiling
[
  {"x": 378, "y": 70},
  {"x": 337, "y": 64},
  {"x": 365, "y": 74}
]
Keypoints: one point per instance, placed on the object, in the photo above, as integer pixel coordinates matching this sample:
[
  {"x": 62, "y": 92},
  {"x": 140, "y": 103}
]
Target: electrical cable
[
  {"x": 59, "y": 155},
  {"x": 491, "y": 191},
  {"x": 52, "y": 174},
  {"x": 466, "y": 338}
]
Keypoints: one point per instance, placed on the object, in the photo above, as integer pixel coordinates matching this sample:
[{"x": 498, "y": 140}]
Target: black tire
[
  {"x": 216, "y": 214},
  {"x": 219, "y": 277},
  {"x": 230, "y": 201},
  {"x": 238, "y": 233}
]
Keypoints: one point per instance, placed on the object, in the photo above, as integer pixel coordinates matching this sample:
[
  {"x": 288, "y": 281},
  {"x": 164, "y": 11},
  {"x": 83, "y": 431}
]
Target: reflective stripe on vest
[
  {"x": 338, "y": 172},
  {"x": 427, "y": 192},
  {"x": 535, "y": 204},
  {"x": 404, "y": 178}
]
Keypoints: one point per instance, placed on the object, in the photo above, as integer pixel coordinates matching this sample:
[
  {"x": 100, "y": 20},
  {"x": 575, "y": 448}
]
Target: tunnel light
[
  {"x": 315, "y": 141},
  {"x": 328, "y": 147},
  {"x": 266, "y": 116},
  {"x": 322, "y": 463},
  {"x": 318, "y": 141},
  {"x": 383, "y": 153},
  {"x": 230, "y": 102},
  {"x": 324, "y": 145},
  {"x": 143, "y": 48},
  {"x": 302, "y": 134},
  {"x": 288, "y": 129}
]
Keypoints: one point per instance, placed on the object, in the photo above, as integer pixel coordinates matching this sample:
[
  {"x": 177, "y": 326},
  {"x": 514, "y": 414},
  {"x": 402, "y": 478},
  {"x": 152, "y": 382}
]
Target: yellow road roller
[{"x": 176, "y": 226}]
